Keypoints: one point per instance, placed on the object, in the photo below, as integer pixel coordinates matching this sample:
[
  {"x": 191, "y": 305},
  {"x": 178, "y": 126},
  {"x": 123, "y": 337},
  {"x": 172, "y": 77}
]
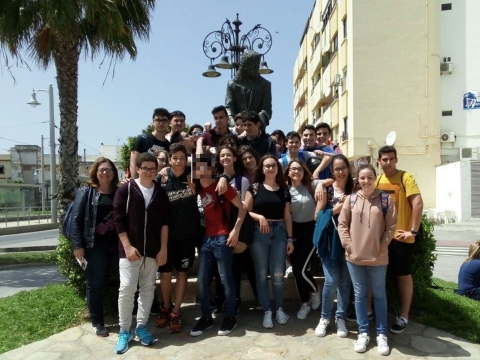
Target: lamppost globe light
[
  {"x": 33, "y": 101},
  {"x": 264, "y": 69},
  {"x": 211, "y": 72}
]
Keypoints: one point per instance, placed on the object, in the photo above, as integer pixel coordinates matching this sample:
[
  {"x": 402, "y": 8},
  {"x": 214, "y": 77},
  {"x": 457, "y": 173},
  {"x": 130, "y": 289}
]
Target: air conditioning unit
[
  {"x": 469, "y": 153},
  {"x": 447, "y": 137},
  {"x": 446, "y": 67},
  {"x": 337, "y": 80}
]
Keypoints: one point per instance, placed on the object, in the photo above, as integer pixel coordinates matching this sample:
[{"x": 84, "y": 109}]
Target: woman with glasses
[
  {"x": 93, "y": 235},
  {"x": 304, "y": 209},
  {"x": 162, "y": 159},
  {"x": 337, "y": 278},
  {"x": 268, "y": 201}
]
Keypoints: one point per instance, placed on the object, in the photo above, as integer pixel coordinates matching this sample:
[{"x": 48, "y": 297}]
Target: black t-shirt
[
  {"x": 184, "y": 215},
  {"x": 105, "y": 233},
  {"x": 270, "y": 204},
  {"x": 149, "y": 143}
]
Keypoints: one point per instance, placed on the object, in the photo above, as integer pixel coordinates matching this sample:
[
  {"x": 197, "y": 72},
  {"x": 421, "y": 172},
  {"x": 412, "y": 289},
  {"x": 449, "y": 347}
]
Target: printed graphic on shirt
[
  {"x": 185, "y": 263},
  {"x": 207, "y": 201},
  {"x": 106, "y": 225}
]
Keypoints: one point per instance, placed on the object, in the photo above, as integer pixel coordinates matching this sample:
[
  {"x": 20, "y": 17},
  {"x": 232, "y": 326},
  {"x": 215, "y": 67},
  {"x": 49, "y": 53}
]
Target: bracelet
[{"x": 290, "y": 239}]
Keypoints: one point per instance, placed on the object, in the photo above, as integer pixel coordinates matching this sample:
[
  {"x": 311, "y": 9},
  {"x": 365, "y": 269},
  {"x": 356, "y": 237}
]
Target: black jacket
[
  {"x": 263, "y": 145},
  {"x": 84, "y": 217},
  {"x": 143, "y": 225}
]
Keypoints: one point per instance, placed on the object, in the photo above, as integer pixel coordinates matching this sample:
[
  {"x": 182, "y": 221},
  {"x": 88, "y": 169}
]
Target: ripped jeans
[{"x": 269, "y": 252}]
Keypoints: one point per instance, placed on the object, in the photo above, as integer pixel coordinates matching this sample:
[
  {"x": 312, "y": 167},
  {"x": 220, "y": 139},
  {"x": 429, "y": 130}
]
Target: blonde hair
[{"x": 473, "y": 251}]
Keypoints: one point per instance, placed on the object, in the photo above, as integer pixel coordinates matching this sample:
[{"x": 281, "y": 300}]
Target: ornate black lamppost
[{"x": 227, "y": 45}]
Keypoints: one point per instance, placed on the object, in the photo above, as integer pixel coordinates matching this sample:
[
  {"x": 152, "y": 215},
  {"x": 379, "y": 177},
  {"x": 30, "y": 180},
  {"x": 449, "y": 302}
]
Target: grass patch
[
  {"x": 447, "y": 311},
  {"x": 30, "y": 257},
  {"x": 31, "y": 316}
]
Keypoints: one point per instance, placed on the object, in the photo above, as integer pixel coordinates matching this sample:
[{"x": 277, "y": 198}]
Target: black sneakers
[
  {"x": 202, "y": 325},
  {"x": 228, "y": 324},
  {"x": 398, "y": 326}
]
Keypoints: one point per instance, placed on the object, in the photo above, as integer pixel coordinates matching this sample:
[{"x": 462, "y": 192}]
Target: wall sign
[{"x": 471, "y": 100}]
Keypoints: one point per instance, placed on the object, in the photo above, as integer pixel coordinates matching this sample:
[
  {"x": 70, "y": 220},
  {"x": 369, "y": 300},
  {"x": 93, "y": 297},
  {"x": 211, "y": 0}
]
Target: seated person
[{"x": 469, "y": 274}]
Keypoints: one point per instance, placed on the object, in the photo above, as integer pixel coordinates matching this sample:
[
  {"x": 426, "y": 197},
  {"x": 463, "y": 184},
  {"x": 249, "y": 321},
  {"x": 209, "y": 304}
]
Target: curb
[
  {"x": 28, "y": 248},
  {"x": 27, "y": 228},
  {"x": 24, "y": 266}
]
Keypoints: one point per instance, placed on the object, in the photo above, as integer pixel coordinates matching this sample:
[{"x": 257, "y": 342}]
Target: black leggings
[{"x": 300, "y": 258}]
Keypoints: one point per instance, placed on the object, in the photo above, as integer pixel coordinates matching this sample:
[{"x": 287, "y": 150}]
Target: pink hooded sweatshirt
[{"x": 364, "y": 231}]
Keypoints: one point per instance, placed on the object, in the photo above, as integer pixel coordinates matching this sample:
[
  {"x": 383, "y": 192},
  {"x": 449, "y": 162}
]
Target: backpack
[
  {"x": 67, "y": 221},
  {"x": 384, "y": 196}
]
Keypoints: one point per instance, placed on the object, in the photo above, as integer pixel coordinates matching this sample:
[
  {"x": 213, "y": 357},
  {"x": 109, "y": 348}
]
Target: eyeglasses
[
  {"x": 150, "y": 170},
  {"x": 162, "y": 120},
  {"x": 296, "y": 169},
  {"x": 197, "y": 133},
  {"x": 270, "y": 166},
  {"x": 340, "y": 169},
  {"x": 104, "y": 171}
]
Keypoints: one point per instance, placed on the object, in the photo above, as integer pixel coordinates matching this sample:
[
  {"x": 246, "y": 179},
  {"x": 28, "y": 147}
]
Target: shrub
[{"x": 422, "y": 269}]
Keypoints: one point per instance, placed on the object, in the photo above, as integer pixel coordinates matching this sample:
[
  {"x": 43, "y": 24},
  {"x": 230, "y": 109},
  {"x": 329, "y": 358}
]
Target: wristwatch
[{"x": 413, "y": 231}]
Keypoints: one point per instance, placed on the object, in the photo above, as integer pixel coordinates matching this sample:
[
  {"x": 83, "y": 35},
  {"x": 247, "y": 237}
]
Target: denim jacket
[{"x": 84, "y": 215}]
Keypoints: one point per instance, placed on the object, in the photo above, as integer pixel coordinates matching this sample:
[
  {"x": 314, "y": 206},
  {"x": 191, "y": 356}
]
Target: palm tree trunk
[{"x": 66, "y": 55}]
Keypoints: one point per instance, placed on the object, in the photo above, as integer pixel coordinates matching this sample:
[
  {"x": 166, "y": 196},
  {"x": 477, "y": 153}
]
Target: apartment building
[
  {"x": 369, "y": 68},
  {"x": 458, "y": 184}
]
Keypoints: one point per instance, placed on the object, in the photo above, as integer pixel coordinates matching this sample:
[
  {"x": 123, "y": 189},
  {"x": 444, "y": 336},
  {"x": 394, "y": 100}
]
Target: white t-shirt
[{"x": 147, "y": 192}]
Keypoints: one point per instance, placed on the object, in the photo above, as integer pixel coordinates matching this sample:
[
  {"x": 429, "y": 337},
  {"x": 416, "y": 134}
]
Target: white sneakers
[
  {"x": 342, "y": 330},
  {"x": 315, "y": 299},
  {"x": 305, "y": 309},
  {"x": 362, "y": 341},
  {"x": 281, "y": 317},
  {"x": 382, "y": 345},
  {"x": 321, "y": 328},
  {"x": 267, "y": 320}
]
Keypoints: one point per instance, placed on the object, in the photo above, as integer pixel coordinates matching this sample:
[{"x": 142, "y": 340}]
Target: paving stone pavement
[
  {"x": 16, "y": 280},
  {"x": 249, "y": 340}
]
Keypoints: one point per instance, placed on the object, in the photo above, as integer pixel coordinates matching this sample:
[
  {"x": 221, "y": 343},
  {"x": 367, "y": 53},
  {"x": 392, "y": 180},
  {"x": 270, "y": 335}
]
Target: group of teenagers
[{"x": 192, "y": 191}]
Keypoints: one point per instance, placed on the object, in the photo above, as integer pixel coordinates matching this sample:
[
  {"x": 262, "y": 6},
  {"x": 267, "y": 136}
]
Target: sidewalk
[{"x": 249, "y": 340}]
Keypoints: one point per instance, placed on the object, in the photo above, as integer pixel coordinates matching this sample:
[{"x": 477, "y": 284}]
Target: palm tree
[{"x": 61, "y": 31}]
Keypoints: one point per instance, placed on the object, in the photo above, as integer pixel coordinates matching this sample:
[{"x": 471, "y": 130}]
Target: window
[
  {"x": 335, "y": 44},
  {"x": 447, "y": 6},
  {"x": 316, "y": 41},
  {"x": 326, "y": 14},
  {"x": 344, "y": 23},
  {"x": 344, "y": 136},
  {"x": 447, "y": 113},
  {"x": 2, "y": 169}
]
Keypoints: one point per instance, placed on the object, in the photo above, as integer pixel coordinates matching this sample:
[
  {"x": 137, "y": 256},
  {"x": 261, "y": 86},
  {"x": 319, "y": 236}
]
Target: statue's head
[{"x": 249, "y": 64}]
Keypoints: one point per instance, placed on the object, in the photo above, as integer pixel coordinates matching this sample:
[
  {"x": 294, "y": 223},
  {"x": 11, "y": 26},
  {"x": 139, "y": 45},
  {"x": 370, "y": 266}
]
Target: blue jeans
[
  {"x": 361, "y": 277},
  {"x": 269, "y": 252},
  {"x": 337, "y": 278},
  {"x": 101, "y": 260},
  {"x": 215, "y": 252}
]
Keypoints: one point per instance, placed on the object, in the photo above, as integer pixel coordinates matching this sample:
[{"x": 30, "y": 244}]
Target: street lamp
[
  {"x": 53, "y": 173},
  {"x": 226, "y": 44}
]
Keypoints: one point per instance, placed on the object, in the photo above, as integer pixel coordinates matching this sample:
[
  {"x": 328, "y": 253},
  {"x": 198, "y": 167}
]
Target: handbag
[{"x": 245, "y": 236}]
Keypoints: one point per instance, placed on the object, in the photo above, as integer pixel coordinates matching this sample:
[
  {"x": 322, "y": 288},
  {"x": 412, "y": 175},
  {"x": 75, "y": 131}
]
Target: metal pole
[
  {"x": 42, "y": 178},
  {"x": 53, "y": 165},
  {"x": 85, "y": 161}
]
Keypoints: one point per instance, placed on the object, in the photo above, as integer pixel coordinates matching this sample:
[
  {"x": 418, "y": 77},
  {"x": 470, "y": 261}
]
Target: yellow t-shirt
[{"x": 399, "y": 192}]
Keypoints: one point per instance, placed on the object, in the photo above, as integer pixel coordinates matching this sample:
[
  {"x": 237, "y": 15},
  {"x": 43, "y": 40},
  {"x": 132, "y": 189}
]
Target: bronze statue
[{"x": 248, "y": 90}]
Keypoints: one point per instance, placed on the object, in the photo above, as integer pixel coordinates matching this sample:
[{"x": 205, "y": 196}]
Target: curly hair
[{"x": 248, "y": 57}]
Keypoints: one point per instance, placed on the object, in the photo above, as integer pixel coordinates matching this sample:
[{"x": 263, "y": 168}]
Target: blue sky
[{"x": 166, "y": 73}]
